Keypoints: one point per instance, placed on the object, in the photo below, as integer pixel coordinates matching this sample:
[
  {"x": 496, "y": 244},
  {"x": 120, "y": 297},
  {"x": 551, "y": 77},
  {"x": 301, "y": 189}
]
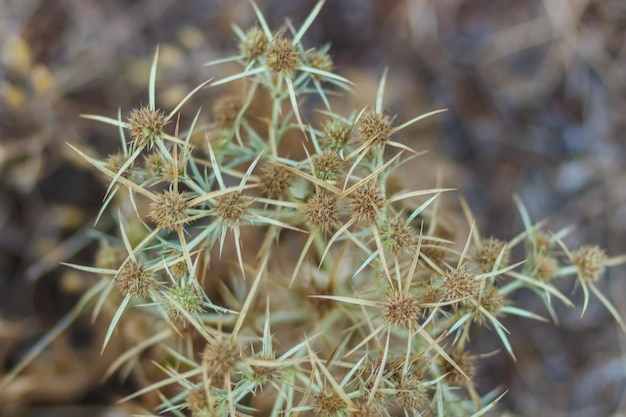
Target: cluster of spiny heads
[{"x": 344, "y": 294}]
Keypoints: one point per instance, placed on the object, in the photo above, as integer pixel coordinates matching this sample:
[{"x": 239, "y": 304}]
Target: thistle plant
[{"x": 343, "y": 295}]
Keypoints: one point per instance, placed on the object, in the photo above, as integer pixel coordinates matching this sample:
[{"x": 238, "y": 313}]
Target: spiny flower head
[
  {"x": 172, "y": 171},
  {"x": 327, "y": 403},
  {"x": 542, "y": 242},
  {"x": 590, "y": 262},
  {"x": 283, "y": 57},
  {"x": 154, "y": 164},
  {"x": 459, "y": 283},
  {"x": 430, "y": 295},
  {"x": 220, "y": 356},
  {"x": 327, "y": 165},
  {"x": 489, "y": 251},
  {"x": 546, "y": 266},
  {"x": 321, "y": 210},
  {"x": 401, "y": 309},
  {"x": 375, "y": 128},
  {"x": 199, "y": 404},
  {"x": 466, "y": 361},
  {"x": 179, "y": 269},
  {"x": 397, "y": 235},
  {"x": 492, "y": 301},
  {"x": 263, "y": 374},
  {"x": 366, "y": 203},
  {"x": 230, "y": 207},
  {"x": 254, "y": 44},
  {"x": 319, "y": 60},
  {"x": 157, "y": 166},
  {"x": 146, "y": 125},
  {"x": 135, "y": 280},
  {"x": 409, "y": 392},
  {"x": 336, "y": 134},
  {"x": 187, "y": 298},
  {"x": 275, "y": 180},
  {"x": 116, "y": 161},
  {"x": 169, "y": 209}
]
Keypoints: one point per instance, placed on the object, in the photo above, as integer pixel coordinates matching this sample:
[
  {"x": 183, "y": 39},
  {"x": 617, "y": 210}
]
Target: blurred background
[{"x": 536, "y": 99}]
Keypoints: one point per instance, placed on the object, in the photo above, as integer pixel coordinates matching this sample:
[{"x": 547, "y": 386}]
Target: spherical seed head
[
  {"x": 401, "y": 309},
  {"x": 283, "y": 57},
  {"x": 221, "y": 356},
  {"x": 169, "y": 210},
  {"x": 318, "y": 60},
  {"x": 430, "y": 295},
  {"x": 336, "y": 134},
  {"x": 134, "y": 280},
  {"x": 199, "y": 405},
  {"x": 397, "y": 236},
  {"x": 225, "y": 110},
  {"x": 179, "y": 269},
  {"x": 146, "y": 125},
  {"x": 171, "y": 171},
  {"x": 154, "y": 164},
  {"x": 187, "y": 298},
  {"x": 327, "y": 403},
  {"x": 321, "y": 211},
  {"x": 197, "y": 401},
  {"x": 276, "y": 180},
  {"x": 459, "y": 283},
  {"x": 489, "y": 252},
  {"x": 465, "y": 361},
  {"x": 542, "y": 241},
  {"x": 327, "y": 165},
  {"x": 115, "y": 161},
  {"x": 264, "y": 374},
  {"x": 365, "y": 203},
  {"x": 492, "y": 301},
  {"x": 410, "y": 393},
  {"x": 366, "y": 410},
  {"x": 590, "y": 262},
  {"x": 546, "y": 267},
  {"x": 254, "y": 44},
  {"x": 229, "y": 208},
  {"x": 375, "y": 128}
]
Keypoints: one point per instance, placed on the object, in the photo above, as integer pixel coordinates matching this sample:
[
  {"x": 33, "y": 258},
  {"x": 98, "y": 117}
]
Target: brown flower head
[
  {"x": 283, "y": 57},
  {"x": 146, "y": 125}
]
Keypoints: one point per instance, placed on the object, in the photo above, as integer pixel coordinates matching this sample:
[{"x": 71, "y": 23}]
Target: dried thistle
[
  {"x": 375, "y": 128},
  {"x": 459, "y": 283},
  {"x": 401, "y": 309},
  {"x": 275, "y": 180},
  {"x": 134, "y": 280},
  {"x": 169, "y": 209},
  {"x": 283, "y": 57},
  {"x": 220, "y": 356},
  {"x": 590, "y": 262},
  {"x": 366, "y": 203},
  {"x": 254, "y": 44},
  {"x": 146, "y": 125},
  {"x": 327, "y": 403},
  {"x": 230, "y": 207},
  {"x": 321, "y": 211}
]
